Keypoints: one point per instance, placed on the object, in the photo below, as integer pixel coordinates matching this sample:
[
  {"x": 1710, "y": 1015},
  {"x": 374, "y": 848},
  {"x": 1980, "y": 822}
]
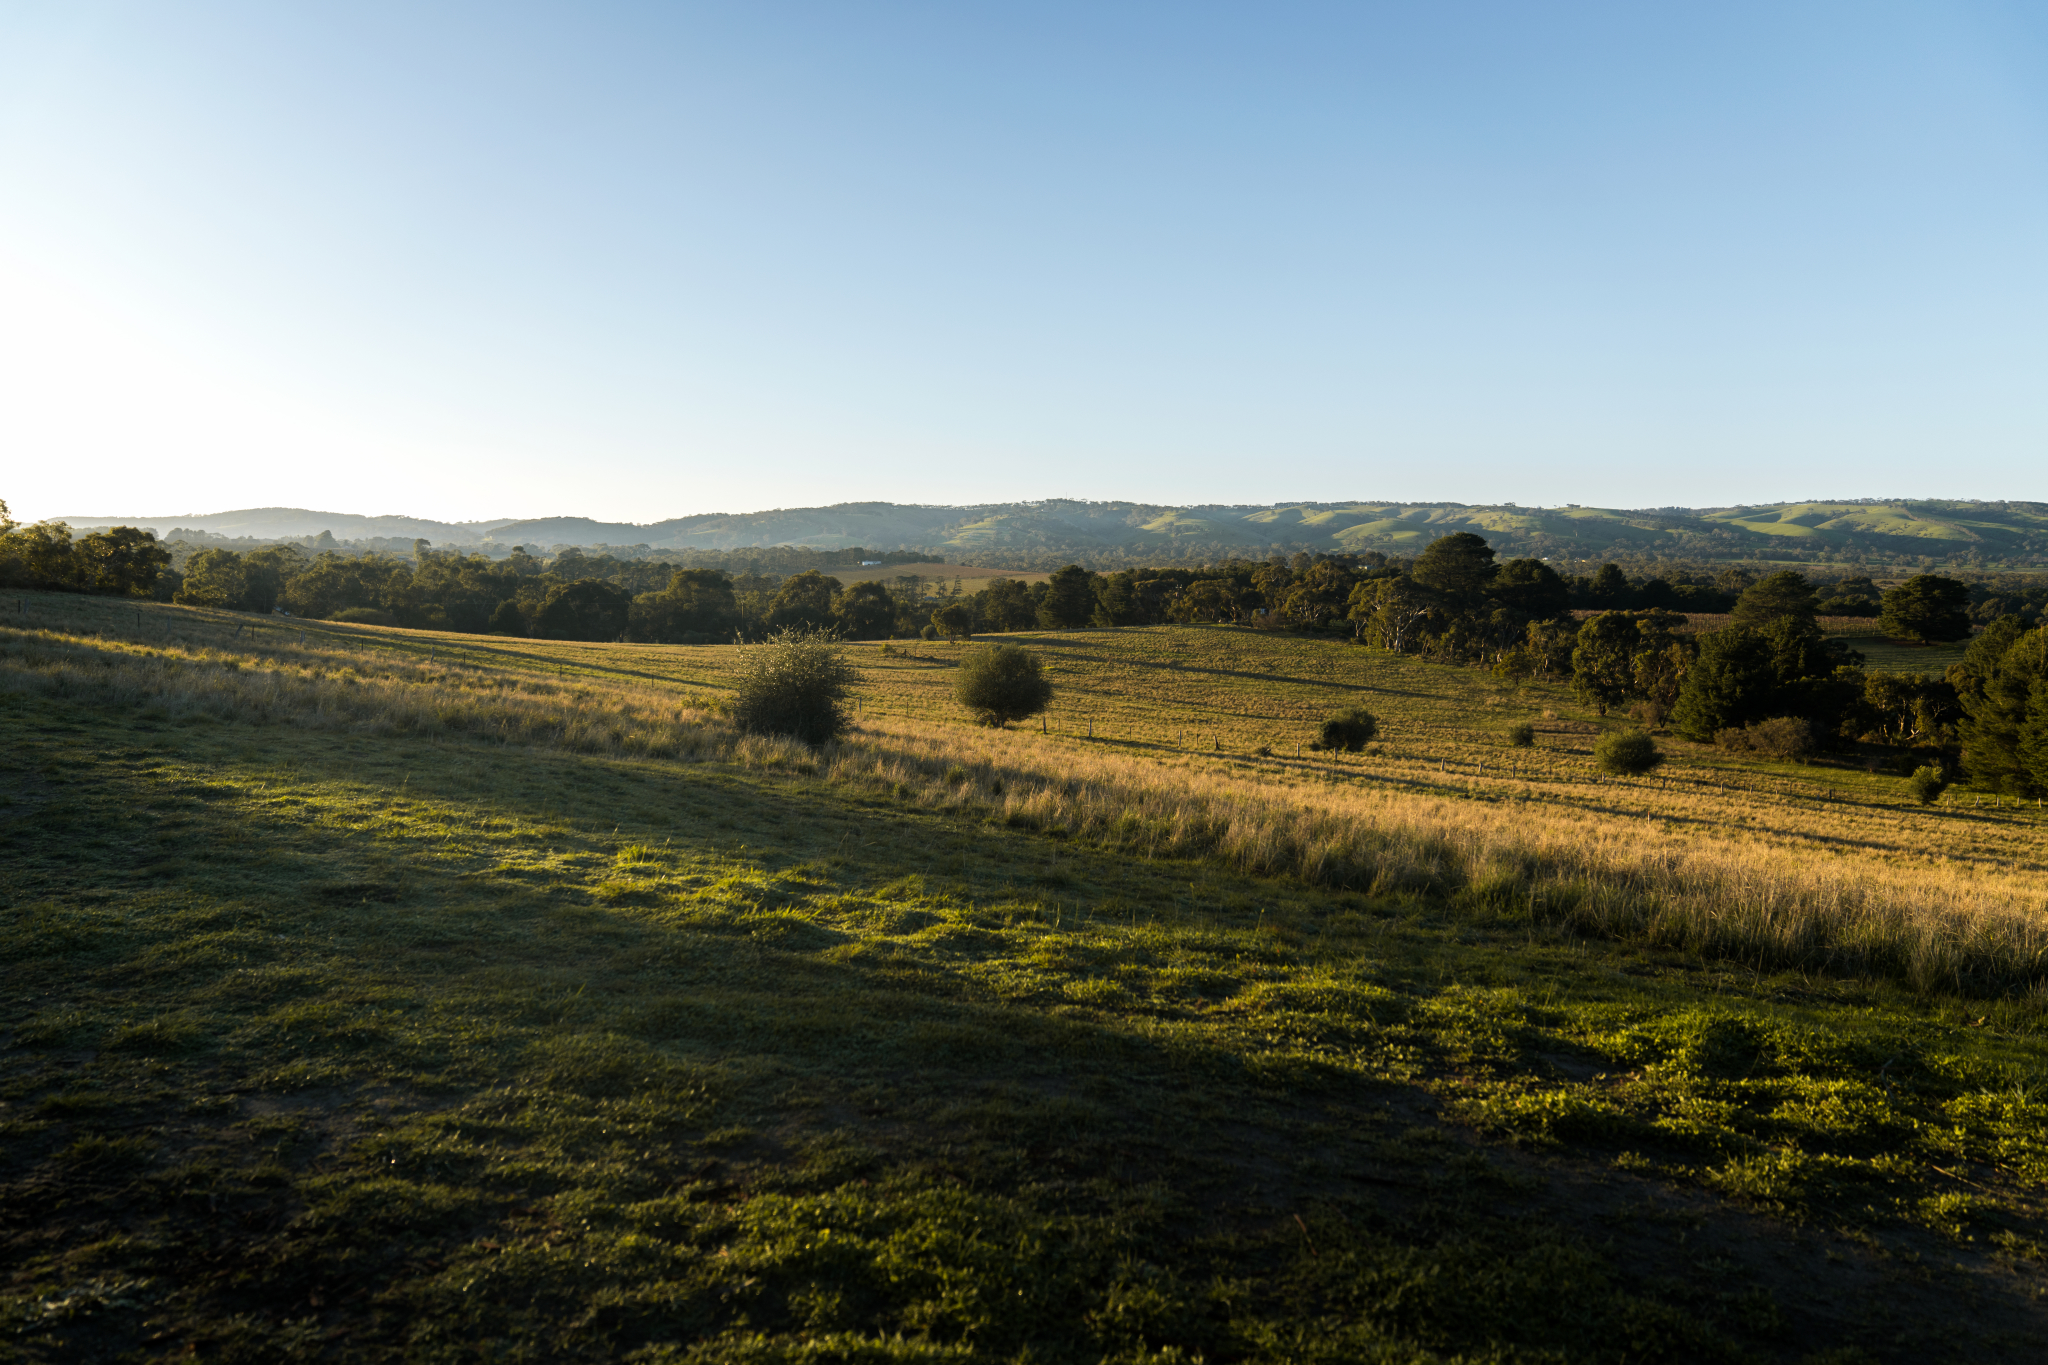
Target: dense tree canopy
[
  {"x": 121, "y": 561},
  {"x": 1609, "y": 588},
  {"x": 697, "y": 606},
  {"x": 1531, "y": 587},
  {"x": 804, "y": 602},
  {"x": 1928, "y": 608},
  {"x": 1622, "y": 656},
  {"x": 1069, "y": 600},
  {"x": 1780, "y": 594},
  {"x": 865, "y": 611},
  {"x": 2002, "y": 684},
  {"x": 1749, "y": 673},
  {"x": 1459, "y": 565},
  {"x": 955, "y": 620},
  {"x": 1005, "y": 604},
  {"x": 588, "y": 609}
]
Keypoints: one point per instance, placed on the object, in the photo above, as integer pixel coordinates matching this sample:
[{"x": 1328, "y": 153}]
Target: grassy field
[{"x": 385, "y": 995}]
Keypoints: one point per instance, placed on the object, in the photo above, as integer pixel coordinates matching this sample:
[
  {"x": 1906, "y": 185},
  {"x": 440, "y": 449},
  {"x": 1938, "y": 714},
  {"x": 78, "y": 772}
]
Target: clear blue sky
[{"x": 635, "y": 261}]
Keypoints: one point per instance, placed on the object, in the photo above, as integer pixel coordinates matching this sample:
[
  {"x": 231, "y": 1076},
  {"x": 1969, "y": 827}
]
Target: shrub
[
  {"x": 1002, "y": 684},
  {"x": 1927, "y": 784},
  {"x": 1781, "y": 737},
  {"x": 1522, "y": 736},
  {"x": 1626, "y": 752},
  {"x": 794, "y": 683},
  {"x": 1348, "y": 730},
  {"x": 365, "y": 616}
]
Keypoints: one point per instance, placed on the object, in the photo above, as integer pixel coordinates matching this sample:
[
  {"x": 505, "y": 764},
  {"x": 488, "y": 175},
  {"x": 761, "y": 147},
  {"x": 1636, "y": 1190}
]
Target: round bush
[
  {"x": 1927, "y": 784},
  {"x": 1522, "y": 736},
  {"x": 1001, "y": 684},
  {"x": 1348, "y": 730},
  {"x": 1626, "y": 752},
  {"x": 794, "y": 683}
]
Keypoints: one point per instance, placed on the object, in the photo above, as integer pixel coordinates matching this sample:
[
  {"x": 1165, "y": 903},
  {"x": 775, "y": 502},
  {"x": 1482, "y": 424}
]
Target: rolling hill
[{"x": 1031, "y": 534}]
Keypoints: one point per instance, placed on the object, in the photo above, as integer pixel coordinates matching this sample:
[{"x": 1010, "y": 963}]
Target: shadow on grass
[{"x": 443, "y": 1050}]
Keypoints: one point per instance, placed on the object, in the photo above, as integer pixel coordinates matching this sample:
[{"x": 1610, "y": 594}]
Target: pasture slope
[{"x": 373, "y": 995}]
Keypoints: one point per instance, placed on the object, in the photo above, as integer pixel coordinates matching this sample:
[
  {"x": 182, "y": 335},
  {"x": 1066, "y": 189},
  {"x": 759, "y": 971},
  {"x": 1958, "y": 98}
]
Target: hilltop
[{"x": 1032, "y": 534}]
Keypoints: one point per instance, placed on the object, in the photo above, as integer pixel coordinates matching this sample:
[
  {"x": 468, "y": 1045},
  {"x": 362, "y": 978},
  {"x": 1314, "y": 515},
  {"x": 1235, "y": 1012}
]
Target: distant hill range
[{"x": 1030, "y": 534}]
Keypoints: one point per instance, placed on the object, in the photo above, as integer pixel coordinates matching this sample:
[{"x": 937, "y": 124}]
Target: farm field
[{"x": 375, "y": 994}]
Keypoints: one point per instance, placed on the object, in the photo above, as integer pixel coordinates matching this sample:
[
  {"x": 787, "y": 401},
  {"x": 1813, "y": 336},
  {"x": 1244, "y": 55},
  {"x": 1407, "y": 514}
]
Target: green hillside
[{"x": 1043, "y": 534}]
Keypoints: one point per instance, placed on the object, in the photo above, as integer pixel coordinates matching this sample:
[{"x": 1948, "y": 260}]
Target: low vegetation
[
  {"x": 380, "y": 994},
  {"x": 1002, "y": 684},
  {"x": 1348, "y": 731},
  {"x": 794, "y": 684},
  {"x": 1626, "y": 753}
]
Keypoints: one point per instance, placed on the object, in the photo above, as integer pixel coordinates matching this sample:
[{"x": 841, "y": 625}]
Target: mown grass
[{"x": 362, "y": 1038}]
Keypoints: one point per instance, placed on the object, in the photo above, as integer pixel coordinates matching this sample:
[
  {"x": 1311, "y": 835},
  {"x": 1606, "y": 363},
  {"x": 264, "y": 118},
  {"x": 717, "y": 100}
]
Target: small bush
[
  {"x": 1522, "y": 736},
  {"x": 1002, "y": 684},
  {"x": 1626, "y": 752},
  {"x": 1782, "y": 737},
  {"x": 1348, "y": 731},
  {"x": 794, "y": 684},
  {"x": 1927, "y": 784}
]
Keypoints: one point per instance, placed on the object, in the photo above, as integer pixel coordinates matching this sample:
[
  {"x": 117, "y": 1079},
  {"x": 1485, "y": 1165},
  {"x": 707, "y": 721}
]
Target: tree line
[{"x": 1769, "y": 679}]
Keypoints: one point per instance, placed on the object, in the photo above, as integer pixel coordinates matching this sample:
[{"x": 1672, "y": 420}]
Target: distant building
[{"x": 867, "y": 563}]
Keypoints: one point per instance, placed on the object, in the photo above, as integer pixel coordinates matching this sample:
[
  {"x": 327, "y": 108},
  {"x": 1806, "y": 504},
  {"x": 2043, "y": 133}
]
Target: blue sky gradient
[{"x": 638, "y": 261}]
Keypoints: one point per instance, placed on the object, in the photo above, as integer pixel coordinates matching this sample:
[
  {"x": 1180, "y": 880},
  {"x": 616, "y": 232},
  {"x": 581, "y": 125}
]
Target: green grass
[{"x": 360, "y": 1046}]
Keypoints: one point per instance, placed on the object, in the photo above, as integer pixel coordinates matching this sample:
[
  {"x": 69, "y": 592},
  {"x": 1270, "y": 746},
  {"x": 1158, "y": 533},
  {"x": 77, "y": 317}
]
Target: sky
[{"x": 636, "y": 261}]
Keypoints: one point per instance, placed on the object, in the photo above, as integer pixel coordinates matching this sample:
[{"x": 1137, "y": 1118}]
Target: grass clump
[
  {"x": 1347, "y": 731},
  {"x": 1001, "y": 684},
  {"x": 1626, "y": 753},
  {"x": 795, "y": 684}
]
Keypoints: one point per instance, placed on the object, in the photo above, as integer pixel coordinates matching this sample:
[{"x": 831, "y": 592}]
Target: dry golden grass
[{"x": 1821, "y": 867}]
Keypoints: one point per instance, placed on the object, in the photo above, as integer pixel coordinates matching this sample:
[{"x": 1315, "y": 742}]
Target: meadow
[{"x": 374, "y": 994}]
